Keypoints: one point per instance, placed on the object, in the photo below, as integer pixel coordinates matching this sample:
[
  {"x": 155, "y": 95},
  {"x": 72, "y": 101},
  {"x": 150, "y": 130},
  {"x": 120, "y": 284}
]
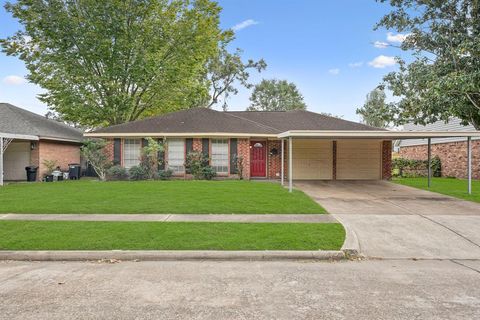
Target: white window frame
[
  {"x": 220, "y": 158},
  {"x": 176, "y": 155},
  {"x": 131, "y": 152}
]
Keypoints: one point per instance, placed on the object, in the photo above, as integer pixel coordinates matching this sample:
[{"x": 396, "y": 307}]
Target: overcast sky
[{"x": 327, "y": 48}]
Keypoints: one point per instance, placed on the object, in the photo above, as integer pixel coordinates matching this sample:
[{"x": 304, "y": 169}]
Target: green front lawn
[
  {"x": 61, "y": 235},
  {"x": 90, "y": 196},
  {"x": 452, "y": 187}
]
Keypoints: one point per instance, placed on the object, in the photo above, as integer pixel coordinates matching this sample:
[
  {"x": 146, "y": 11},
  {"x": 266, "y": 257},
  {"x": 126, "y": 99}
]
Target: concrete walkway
[
  {"x": 255, "y": 218},
  {"x": 387, "y": 220}
]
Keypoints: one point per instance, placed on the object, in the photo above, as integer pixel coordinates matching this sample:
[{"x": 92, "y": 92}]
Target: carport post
[
  {"x": 1, "y": 161},
  {"x": 429, "y": 171},
  {"x": 290, "y": 166},
  {"x": 282, "y": 173},
  {"x": 469, "y": 164}
]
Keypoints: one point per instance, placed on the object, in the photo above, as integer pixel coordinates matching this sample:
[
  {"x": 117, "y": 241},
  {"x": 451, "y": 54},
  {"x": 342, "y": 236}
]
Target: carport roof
[
  {"x": 375, "y": 134},
  {"x": 20, "y": 122}
]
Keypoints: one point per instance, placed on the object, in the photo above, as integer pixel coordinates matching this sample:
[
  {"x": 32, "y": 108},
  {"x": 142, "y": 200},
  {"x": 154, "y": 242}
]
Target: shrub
[
  {"x": 238, "y": 160},
  {"x": 94, "y": 153},
  {"x": 51, "y": 165},
  {"x": 138, "y": 173},
  {"x": 208, "y": 173},
  {"x": 402, "y": 167},
  {"x": 164, "y": 174},
  {"x": 149, "y": 160},
  {"x": 197, "y": 164},
  {"x": 117, "y": 173}
]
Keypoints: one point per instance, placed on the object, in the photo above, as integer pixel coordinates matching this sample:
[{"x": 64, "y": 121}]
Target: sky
[{"x": 327, "y": 48}]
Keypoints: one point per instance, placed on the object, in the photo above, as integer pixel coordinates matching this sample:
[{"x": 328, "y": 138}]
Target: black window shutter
[
  {"x": 233, "y": 156},
  {"x": 116, "y": 151},
  {"x": 144, "y": 142},
  {"x": 206, "y": 147},
  {"x": 189, "y": 145},
  {"x": 161, "y": 155}
]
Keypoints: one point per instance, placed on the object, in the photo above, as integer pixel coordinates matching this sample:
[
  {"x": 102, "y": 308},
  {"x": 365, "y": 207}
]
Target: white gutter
[{"x": 379, "y": 134}]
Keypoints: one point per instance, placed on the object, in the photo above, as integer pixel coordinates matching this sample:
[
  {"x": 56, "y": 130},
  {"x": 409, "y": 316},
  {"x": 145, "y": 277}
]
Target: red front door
[{"x": 258, "y": 156}]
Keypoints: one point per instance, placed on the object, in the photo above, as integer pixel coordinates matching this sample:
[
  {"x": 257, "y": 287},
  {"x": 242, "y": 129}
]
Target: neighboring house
[
  {"x": 451, "y": 151},
  {"x": 254, "y": 136},
  {"x": 30, "y": 139}
]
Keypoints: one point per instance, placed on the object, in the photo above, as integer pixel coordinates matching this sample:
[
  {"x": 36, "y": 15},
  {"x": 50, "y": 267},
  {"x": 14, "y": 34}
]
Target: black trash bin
[
  {"x": 31, "y": 173},
  {"x": 74, "y": 171}
]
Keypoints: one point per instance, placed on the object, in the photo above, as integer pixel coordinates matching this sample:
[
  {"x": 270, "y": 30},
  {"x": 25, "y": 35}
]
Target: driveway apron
[{"x": 386, "y": 220}]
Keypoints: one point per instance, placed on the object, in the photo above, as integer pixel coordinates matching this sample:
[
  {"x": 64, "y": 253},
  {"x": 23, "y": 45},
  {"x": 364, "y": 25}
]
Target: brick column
[
  {"x": 197, "y": 144},
  {"x": 274, "y": 161},
  {"x": 387, "y": 160}
]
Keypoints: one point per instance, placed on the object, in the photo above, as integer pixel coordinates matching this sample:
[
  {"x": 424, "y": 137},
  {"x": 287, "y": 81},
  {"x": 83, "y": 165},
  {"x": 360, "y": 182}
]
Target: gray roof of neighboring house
[
  {"x": 453, "y": 124},
  {"x": 20, "y": 121},
  {"x": 203, "y": 120}
]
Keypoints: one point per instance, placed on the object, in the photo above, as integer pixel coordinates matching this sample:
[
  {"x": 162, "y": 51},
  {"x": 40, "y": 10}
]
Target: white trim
[
  {"x": 225, "y": 135},
  {"x": 393, "y": 135},
  {"x": 19, "y": 136}
]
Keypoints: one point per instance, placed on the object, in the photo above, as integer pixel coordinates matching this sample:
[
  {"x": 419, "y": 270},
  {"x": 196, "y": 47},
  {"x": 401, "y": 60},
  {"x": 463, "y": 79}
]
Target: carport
[
  {"x": 351, "y": 151},
  {"x": 5, "y": 140}
]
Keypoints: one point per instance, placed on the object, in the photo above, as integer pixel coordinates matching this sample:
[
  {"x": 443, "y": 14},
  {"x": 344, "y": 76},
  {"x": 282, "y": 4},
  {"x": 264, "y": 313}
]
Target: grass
[
  {"x": 62, "y": 235},
  {"x": 175, "y": 197},
  {"x": 452, "y": 187}
]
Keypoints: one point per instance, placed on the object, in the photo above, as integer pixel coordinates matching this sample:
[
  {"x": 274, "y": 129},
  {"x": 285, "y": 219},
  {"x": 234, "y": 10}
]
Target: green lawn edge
[
  {"x": 162, "y": 197},
  {"x": 74, "y": 235},
  {"x": 456, "y": 188}
]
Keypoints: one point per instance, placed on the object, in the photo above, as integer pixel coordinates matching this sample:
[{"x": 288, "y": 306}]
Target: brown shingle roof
[{"x": 203, "y": 120}]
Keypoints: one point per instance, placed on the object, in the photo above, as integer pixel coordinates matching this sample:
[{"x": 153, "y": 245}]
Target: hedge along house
[
  {"x": 298, "y": 145},
  {"x": 28, "y": 139},
  {"x": 451, "y": 151}
]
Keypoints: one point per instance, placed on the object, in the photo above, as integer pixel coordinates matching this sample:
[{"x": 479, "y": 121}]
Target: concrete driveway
[{"x": 387, "y": 220}]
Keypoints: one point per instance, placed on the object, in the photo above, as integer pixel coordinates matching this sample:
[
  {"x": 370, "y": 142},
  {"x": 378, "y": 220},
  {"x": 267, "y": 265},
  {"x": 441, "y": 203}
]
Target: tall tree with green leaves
[
  {"x": 276, "y": 95},
  {"x": 225, "y": 70},
  {"x": 375, "y": 111},
  {"x": 443, "y": 80},
  {"x": 113, "y": 61}
]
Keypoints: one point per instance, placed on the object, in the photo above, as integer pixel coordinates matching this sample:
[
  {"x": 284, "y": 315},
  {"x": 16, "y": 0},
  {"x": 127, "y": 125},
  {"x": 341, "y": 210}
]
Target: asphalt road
[{"x": 388, "y": 289}]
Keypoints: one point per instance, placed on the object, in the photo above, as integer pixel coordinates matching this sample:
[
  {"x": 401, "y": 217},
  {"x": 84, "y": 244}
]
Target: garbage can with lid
[
  {"x": 31, "y": 173},
  {"x": 74, "y": 171}
]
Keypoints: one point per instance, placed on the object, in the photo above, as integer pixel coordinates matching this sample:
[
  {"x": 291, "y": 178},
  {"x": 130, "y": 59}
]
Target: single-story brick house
[
  {"x": 29, "y": 139},
  {"x": 452, "y": 151},
  {"x": 254, "y": 136}
]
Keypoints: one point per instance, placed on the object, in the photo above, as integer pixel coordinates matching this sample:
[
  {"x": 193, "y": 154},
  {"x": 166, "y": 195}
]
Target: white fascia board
[
  {"x": 18, "y": 136},
  {"x": 179, "y": 135},
  {"x": 391, "y": 135}
]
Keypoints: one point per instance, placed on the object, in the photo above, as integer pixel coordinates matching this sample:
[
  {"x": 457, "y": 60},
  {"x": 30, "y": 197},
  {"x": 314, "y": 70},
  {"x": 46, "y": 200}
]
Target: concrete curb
[
  {"x": 351, "y": 246},
  {"x": 165, "y": 255}
]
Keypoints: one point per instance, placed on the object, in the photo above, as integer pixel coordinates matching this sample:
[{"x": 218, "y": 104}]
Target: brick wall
[
  {"x": 197, "y": 144},
  {"x": 243, "y": 150},
  {"x": 62, "y": 153},
  {"x": 387, "y": 160},
  {"x": 109, "y": 149},
  {"x": 453, "y": 157},
  {"x": 35, "y": 157}
]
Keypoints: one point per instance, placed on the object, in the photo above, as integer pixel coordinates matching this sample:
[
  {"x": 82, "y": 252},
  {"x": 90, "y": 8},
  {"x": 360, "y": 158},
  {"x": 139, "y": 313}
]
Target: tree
[
  {"x": 94, "y": 153},
  {"x": 375, "y": 111},
  {"x": 444, "y": 78},
  {"x": 224, "y": 70},
  {"x": 113, "y": 61},
  {"x": 276, "y": 95}
]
